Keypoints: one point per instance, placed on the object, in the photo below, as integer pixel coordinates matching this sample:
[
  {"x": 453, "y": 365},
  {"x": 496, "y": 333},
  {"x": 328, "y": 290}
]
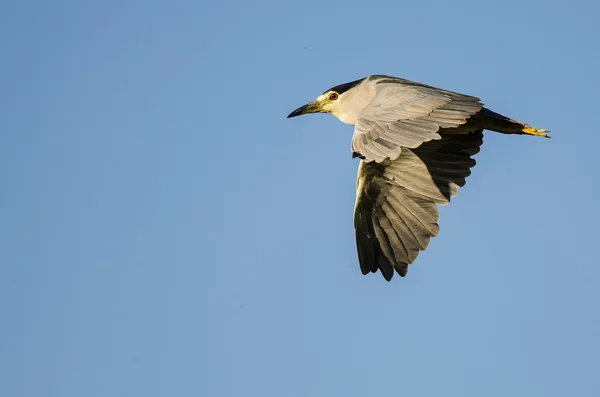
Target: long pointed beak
[{"x": 313, "y": 107}]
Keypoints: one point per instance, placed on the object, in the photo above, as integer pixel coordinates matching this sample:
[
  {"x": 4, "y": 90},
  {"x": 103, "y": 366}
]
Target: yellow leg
[{"x": 529, "y": 130}]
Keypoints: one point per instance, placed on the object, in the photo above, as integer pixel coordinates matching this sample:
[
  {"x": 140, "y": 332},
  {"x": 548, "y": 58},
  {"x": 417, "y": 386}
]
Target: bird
[{"x": 415, "y": 145}]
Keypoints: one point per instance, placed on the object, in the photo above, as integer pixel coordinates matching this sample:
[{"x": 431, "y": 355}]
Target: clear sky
[{"x": 166, "y": 231}]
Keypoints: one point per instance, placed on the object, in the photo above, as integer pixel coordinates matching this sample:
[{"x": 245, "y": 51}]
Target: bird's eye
[{"x": 333, "y": 96}]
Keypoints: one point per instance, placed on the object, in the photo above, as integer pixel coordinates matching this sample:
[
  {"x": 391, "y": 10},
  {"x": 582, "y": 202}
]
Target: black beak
[{"x": 312, "y": 107}]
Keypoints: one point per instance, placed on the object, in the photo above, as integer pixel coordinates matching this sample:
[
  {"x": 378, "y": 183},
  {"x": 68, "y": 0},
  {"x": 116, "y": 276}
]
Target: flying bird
[{"x": 415, "y": 144}]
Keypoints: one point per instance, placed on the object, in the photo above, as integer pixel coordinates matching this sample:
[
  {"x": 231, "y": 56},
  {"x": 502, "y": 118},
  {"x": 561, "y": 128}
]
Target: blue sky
[{"x": 166, "y": 231}]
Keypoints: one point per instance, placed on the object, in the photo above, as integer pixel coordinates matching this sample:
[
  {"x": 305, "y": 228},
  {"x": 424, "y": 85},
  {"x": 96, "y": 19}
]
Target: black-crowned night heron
[{"x": 415, "y": 144}]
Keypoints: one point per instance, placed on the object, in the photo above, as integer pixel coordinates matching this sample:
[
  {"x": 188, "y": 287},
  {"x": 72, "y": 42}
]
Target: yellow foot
[{"x": 529, "y": 130}]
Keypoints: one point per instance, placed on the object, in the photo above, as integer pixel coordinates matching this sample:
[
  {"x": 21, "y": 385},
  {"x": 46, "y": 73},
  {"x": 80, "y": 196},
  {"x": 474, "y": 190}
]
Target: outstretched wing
[
  {"x": 406, "y": 114},
  {"x": 395, "y": 214}
]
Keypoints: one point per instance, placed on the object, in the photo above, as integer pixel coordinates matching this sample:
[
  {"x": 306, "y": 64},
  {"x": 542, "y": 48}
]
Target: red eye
[{"x": 333, "y": 96}]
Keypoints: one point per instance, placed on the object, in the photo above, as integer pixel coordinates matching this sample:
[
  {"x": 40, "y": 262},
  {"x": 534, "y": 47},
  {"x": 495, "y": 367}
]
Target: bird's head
[{"x": 342, "y": 101}]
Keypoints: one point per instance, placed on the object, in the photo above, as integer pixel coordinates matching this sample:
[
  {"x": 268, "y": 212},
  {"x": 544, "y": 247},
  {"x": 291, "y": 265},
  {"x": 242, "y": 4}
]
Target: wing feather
[
  {"x": 395, "y": 214},
  {"x": 407, "y": 114}
]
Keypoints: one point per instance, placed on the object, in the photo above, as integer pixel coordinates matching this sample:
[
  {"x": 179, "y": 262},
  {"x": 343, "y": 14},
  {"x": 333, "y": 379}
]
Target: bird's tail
[{"x": 496, "y": 122}]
